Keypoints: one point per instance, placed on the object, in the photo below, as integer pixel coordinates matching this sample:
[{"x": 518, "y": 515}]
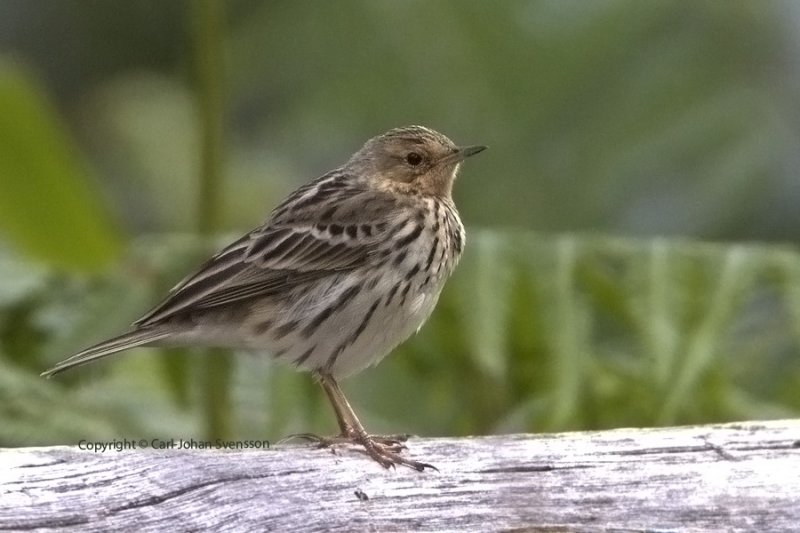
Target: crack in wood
[
  {"x": 57, "y": 523},
  {"x": 43, "y": 465},
  {"x": 663, "y": 450},
  {"x": 526, "y": 469},
  {"x": 156, "y": 499}
]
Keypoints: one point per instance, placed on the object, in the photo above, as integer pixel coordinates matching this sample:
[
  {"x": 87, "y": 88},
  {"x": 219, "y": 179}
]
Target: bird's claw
[{"x": 383, "y": 449}]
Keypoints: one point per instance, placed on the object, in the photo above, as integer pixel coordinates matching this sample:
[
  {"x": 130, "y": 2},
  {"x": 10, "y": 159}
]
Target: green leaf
[{"x": 48, "y": 206}]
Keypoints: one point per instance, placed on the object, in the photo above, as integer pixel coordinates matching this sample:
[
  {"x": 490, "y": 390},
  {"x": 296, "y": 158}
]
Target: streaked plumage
[{"x": 343, "y": 270}]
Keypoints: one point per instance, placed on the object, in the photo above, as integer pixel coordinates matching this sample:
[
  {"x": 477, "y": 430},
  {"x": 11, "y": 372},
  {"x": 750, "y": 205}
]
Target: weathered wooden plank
[{"x": 737, "y": 477}]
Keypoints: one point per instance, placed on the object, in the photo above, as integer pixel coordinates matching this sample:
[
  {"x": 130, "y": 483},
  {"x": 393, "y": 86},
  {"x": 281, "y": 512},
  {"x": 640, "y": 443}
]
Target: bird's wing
[{"x": 310, "y": 235}]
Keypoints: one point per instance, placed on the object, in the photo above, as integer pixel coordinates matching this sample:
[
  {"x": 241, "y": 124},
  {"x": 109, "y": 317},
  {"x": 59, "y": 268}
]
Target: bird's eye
[{"x": 413, "y": 159}]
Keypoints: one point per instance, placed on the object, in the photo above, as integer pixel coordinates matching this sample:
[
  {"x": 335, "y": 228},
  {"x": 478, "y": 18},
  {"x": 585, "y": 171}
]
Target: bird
[{"x": 341, "y": 272}]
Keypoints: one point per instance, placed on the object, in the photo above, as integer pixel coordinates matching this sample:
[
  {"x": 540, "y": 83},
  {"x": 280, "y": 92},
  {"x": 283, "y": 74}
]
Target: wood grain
[{"x": 734, "y": 477}]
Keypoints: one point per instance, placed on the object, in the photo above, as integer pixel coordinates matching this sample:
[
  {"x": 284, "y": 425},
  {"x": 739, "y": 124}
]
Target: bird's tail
[{"x": 131, "y": 339}]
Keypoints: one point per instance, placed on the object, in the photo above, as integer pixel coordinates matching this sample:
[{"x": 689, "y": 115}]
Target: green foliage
[
  {"x": 597, "y": 332},
  {"x": 533, "y": 333},
  {"x": 47, "y": 205}
]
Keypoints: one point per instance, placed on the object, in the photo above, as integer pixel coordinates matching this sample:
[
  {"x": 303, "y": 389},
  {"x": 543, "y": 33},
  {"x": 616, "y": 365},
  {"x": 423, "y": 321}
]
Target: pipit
[{"x": 343, "y": 270}]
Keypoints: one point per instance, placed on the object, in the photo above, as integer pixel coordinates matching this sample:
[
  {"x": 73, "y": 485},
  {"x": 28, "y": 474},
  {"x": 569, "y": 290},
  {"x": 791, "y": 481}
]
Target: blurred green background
[{"x": 635, "y": 147}]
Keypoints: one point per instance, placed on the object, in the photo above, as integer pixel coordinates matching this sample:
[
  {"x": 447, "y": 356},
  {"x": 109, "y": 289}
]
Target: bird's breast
[{"x": 349, "y": 320}]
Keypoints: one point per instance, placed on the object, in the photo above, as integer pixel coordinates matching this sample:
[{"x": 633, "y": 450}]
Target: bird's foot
[
  {"x": 384, "y": 449},
  {"x": 395, "y": 442}
]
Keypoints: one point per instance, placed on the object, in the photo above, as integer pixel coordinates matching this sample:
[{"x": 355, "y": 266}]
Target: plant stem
[{"x": 207, "y": 32}]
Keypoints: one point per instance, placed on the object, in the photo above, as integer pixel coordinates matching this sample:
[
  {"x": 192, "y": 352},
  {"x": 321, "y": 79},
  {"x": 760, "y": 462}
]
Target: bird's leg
[
  {"x": 350, "y": 428},
  {"x": 344, "y": 414},
  {"x": 349, "y": 424},
  {"x": 384, "y": 450}
]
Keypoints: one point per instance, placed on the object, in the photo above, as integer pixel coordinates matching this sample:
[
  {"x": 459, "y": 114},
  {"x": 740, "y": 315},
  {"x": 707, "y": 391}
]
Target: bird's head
[{"x": 411, "y": 159}]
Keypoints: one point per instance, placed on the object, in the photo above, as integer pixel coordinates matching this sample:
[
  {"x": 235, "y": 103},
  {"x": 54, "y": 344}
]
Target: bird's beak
[
  {"x": 461, "y": 153},
  {"x": 466, "y": 151}
]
